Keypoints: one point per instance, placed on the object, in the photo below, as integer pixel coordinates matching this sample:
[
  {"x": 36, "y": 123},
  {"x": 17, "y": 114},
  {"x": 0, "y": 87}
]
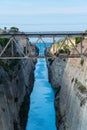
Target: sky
[{"x": 44, "y": 15}]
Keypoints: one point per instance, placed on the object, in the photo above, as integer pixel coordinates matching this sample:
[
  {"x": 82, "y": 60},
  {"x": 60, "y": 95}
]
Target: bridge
[
  {"x": 45, "y": 34},
  {"x": 15, "y": 38}
]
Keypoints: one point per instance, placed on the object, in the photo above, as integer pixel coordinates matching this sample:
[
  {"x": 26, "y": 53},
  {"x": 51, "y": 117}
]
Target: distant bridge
[{"x": 14, "y": 38}]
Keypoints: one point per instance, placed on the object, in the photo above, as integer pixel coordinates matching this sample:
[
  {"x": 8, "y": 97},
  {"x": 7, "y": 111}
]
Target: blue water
[{"x": 42, "y": 113}]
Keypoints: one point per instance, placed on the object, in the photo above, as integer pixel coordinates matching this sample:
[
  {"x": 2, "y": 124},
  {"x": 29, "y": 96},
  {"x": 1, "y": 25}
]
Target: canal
[{"x": 42, "y": 112}]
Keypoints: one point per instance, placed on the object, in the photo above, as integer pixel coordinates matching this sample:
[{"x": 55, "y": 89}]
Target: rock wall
[
  {"x": 71, "y": 101},
  {"x": 55, "y": 70},
  {"x": 16, "y": 83}
]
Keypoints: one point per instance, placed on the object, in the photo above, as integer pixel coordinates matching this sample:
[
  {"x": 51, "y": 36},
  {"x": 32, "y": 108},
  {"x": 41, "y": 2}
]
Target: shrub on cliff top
[
  {"x": 3, "y": 41},
  {"x": 14, "y": 29}
]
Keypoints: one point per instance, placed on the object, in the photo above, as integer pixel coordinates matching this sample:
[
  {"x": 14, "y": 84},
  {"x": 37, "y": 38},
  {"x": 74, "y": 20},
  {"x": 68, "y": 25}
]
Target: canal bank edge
[{"x": 71, "y": 100}]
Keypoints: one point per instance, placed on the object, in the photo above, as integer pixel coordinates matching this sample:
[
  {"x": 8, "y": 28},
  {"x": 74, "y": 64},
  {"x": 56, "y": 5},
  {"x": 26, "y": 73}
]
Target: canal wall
[
  {"x": 16, "y": 83},
  {"x": 56, "y": 67},
  {"x": 71, "y": 98},
  {"x": 71, "y": 93}
]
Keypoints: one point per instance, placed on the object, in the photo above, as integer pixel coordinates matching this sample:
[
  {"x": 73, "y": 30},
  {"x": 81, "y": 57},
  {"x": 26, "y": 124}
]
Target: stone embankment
[
  {"x": 16, "y": 83},
  {"x": 69, "y": 76}
]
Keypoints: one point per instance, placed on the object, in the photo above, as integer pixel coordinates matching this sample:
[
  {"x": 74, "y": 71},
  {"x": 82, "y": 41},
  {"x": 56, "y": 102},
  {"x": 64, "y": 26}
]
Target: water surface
[{"x": 42, "y": 113}]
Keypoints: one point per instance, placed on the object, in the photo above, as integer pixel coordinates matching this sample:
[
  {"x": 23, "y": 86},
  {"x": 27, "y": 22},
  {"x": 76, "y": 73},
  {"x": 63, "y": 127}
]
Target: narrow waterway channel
[{"x": 42, "y": 113}]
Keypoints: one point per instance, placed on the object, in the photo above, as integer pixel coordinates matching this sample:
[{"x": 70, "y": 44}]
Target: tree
[{"x": 15, "y": 29}]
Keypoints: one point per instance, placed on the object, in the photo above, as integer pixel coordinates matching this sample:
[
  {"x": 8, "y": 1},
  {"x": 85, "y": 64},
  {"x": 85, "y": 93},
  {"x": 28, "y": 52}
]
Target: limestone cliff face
[
  {"x": 71, "y": 101},
  {"x": 56, "y": 70},
  {"x": 16, "y": 82},
  {"x": 73, "y": 96}
]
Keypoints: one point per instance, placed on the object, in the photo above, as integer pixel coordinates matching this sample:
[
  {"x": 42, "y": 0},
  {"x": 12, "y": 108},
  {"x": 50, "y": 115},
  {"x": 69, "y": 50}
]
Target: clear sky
[{"x": 44, "y": 15}]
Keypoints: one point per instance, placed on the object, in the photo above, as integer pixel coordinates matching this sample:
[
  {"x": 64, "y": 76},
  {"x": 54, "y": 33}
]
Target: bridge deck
[{"x": 44, "y": 34}]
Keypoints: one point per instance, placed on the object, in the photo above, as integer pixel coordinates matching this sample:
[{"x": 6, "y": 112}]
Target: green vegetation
[
  {"x": 4, "y": 32},
  {"x": 65, "y": 50},
  {"x": 78, "y": 40},
  {"x": 5, "y": 66},
  {"x": 85, "y": 31},
  {"x": 82, "y": 62},
  {"x": 15, "y": 29},
  {"x": 58, "y": 44},
  {"x": 9, "y": 68},
  {"x": 3, "y": 41}
]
